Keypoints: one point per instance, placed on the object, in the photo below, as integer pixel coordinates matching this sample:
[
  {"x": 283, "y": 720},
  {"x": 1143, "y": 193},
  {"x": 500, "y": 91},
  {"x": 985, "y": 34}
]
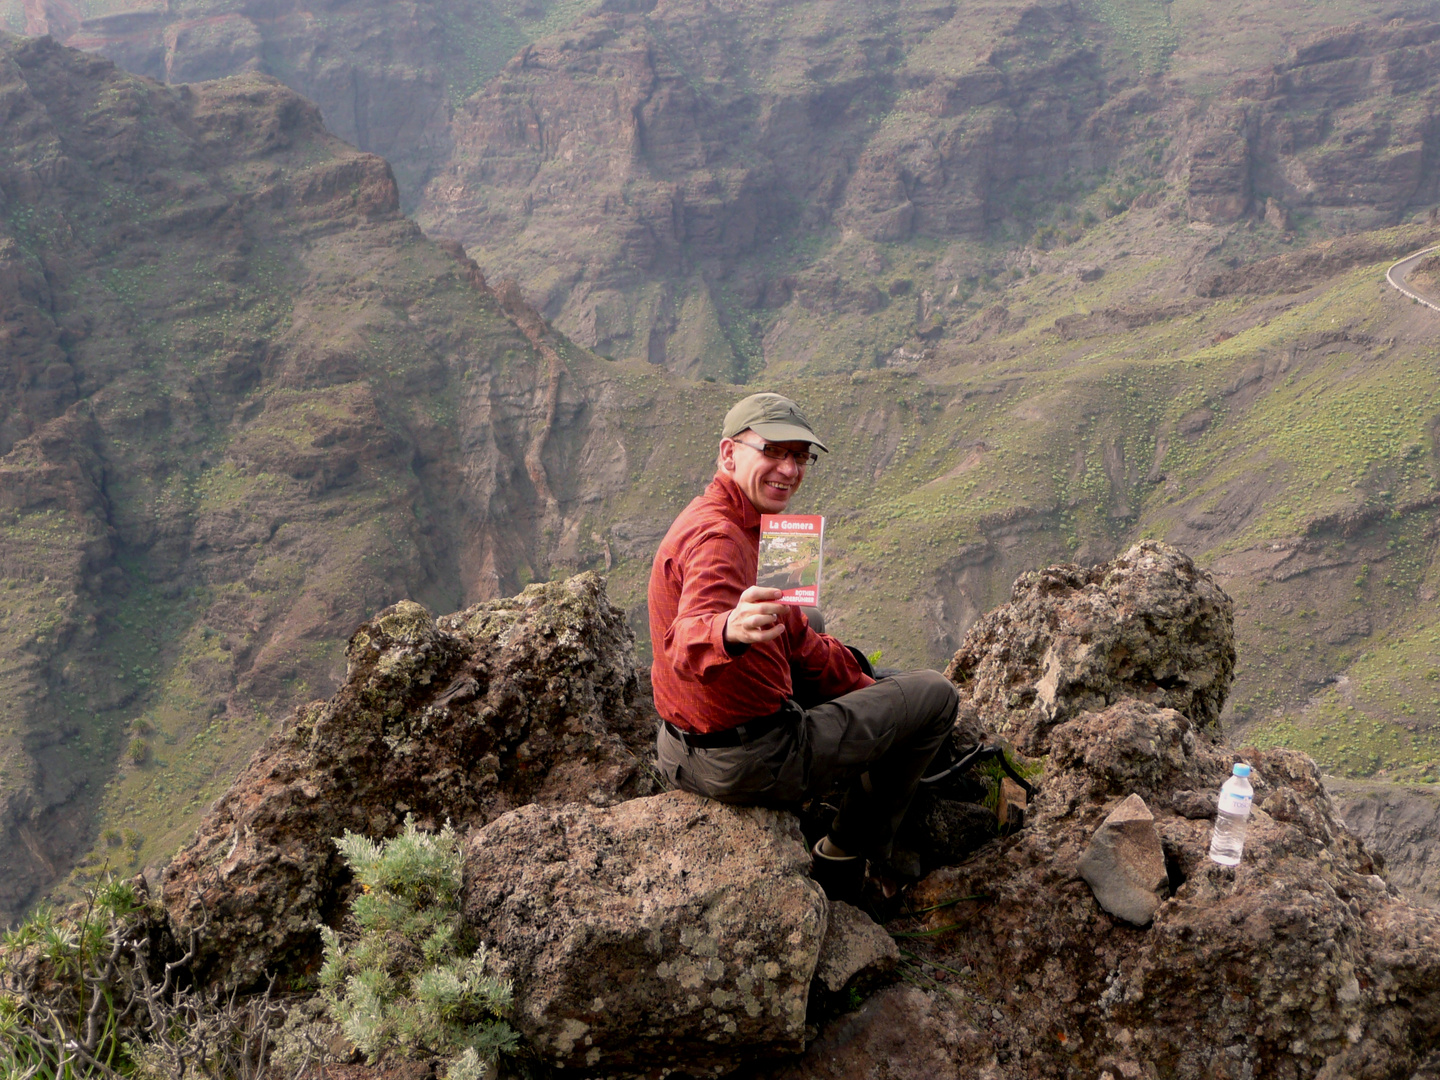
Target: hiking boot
[{"x": 842, "y": 879}]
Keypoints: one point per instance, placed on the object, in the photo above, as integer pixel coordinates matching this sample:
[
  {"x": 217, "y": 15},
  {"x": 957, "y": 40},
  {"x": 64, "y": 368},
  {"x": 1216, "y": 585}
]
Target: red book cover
[{"x": 791, "y": 553}]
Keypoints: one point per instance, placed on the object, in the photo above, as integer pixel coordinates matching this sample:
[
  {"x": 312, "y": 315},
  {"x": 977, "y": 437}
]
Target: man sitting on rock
[{"x": 726, "y": 654}]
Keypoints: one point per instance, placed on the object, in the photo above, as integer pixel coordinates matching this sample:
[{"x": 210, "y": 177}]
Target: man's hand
[{"x": 756, "y": 617}]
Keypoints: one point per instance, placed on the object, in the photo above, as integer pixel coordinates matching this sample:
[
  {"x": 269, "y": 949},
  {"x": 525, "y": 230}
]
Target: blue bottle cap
[{"x": 1240, "y": 769}]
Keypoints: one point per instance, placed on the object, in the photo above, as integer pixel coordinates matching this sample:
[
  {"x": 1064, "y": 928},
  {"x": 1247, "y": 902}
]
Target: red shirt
[{"x": 708, "y": 558}]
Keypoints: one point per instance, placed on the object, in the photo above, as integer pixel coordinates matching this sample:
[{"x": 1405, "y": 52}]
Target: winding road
[{"x": 1397, "y": 274}]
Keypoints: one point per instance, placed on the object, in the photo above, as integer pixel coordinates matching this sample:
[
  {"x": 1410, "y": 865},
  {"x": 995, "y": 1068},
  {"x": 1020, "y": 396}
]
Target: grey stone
[
  {"x": 857, "y": 952},
  {"x": 1195, "y": 805},
  {"x": 666, "y": 932},
  {"x": 1124, "y": 864}
]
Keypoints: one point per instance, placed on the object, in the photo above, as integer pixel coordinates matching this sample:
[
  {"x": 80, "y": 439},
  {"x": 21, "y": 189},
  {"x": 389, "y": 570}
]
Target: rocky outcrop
[
  {"x": 1299, "y": 962},
  {"x": 1150, "y": 625},
  {"x": 670, "y": 933},
  {"x": 528, "y": 699},
  {"x": 1303, "y": 135}
]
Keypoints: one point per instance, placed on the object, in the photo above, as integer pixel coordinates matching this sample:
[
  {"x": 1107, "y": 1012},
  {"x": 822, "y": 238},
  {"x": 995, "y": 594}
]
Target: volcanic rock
[
  {"x": 940, "y": 831},
  {"x": 1149, "y": 625},
  {"x": 531, "y": 698},
  {"x": 668, "y": 932},
  {"x": 1300, "y": 962},
  {"x": 1298, "y": 957},
  {"x": 902, "y": 1033},
  {"x": 1124, "y": 864}
]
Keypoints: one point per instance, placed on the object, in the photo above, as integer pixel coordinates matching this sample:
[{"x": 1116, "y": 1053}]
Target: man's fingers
[
  {"x": 756, "y": 634},
  {"x": 756, "y": 618},
  {"x": 757, "y": 593},
  {"x": 776, "y": 610}
]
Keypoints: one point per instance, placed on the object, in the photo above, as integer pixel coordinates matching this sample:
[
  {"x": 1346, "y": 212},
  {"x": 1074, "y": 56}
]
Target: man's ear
[{"x": 726, "y": 458}]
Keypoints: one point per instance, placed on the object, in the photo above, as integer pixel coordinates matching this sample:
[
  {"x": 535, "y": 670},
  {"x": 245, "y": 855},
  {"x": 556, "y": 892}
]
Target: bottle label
[{"x": 1232, "y": 802}]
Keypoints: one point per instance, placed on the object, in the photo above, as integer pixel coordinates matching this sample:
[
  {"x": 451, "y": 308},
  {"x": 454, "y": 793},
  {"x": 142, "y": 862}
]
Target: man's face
[{"x": 768, "y": 483}]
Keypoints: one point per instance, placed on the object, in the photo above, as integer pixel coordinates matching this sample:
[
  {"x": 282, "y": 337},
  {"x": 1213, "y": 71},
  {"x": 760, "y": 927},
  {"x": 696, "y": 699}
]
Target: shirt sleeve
[
  {"x": 826, "y": 660},
  {"x": 709, "y": 590}
]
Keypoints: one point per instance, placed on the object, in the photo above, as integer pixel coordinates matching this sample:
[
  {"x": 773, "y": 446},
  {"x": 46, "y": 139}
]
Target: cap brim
[{"x": 781, "y": 432}]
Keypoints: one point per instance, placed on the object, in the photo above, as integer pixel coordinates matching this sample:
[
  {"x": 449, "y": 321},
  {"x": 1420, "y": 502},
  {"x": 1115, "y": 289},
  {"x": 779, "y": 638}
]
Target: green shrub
[
  {"x": 61, "y": 985},
  {"x": 407, "y": 976},
  {"x": 138, "y": 752}
]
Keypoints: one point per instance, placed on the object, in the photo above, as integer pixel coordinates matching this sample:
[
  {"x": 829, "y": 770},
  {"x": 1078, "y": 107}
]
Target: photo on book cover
[{"x": 791, "y": 553}]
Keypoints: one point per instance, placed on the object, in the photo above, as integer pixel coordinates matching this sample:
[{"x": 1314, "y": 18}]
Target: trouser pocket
[{"x": 763, "y": 770}]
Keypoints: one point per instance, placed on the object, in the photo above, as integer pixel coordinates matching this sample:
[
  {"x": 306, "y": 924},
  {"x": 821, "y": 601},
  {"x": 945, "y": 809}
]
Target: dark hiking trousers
[{"x": 876, "y": 742}]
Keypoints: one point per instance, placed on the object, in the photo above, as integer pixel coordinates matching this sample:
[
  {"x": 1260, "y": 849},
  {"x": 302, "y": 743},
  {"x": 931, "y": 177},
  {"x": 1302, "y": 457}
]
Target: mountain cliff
[
  {"x": 676, "y": 181},
  {"x": 245, "y": 402}
]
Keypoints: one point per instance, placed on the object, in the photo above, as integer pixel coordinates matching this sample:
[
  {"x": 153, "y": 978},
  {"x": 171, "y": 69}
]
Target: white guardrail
[{"x": 1390, "y": 277}]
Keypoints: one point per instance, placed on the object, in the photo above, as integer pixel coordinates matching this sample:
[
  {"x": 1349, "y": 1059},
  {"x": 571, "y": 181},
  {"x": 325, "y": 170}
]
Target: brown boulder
[
  {"x": 1298, "y": 961},
  {"x": 1149, "y": 625},
  {"x": 664, "y": 933},
  {"x": 529, "y": 698}
]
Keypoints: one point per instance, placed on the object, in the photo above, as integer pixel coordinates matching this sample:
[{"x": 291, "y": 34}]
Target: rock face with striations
[
  {"x": 664, "y": 933},
  {"x": 1400, "y": 822},
  {"x": 527, "y": 699}
]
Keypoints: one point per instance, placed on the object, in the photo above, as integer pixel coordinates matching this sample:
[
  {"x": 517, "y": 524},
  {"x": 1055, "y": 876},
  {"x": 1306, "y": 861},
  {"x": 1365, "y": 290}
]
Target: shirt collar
[{"x": 728, "y": 492}]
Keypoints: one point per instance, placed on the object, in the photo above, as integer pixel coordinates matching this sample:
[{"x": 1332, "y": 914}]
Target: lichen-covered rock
[
  {"x": 530, "y": 698},
  {"x": 1149, "y": 625},
  {"x": 671, "y": 932}
]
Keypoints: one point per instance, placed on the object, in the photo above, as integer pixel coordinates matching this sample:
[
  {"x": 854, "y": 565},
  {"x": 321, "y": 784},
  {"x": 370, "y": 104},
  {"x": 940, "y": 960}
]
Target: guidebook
[{"x": 790, "y": 556}]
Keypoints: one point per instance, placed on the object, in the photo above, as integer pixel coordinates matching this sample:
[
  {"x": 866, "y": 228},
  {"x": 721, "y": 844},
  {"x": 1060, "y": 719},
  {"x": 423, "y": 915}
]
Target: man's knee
[{"x": 933, "y": 697}]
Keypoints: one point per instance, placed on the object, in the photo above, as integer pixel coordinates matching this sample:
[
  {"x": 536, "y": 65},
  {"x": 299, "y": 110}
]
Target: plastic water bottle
[{"x": 1232, "y": 816}]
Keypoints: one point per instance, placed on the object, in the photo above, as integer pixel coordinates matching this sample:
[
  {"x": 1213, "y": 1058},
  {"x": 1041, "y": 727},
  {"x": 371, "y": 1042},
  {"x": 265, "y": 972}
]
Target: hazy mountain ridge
[{"x": 676, "y": 182}]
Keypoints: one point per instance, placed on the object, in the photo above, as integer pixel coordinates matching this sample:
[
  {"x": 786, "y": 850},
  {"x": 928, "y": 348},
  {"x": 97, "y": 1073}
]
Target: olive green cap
[{"x": 773, "y": 418}]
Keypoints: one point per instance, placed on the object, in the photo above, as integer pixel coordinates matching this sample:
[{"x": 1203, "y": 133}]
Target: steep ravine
[
  {"x": 1402, "y": 823},
  {"x": 247, "y": 403}
]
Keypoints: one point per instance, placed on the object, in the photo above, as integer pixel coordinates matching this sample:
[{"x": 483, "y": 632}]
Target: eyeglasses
[{"x": 779, "y": 453}]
